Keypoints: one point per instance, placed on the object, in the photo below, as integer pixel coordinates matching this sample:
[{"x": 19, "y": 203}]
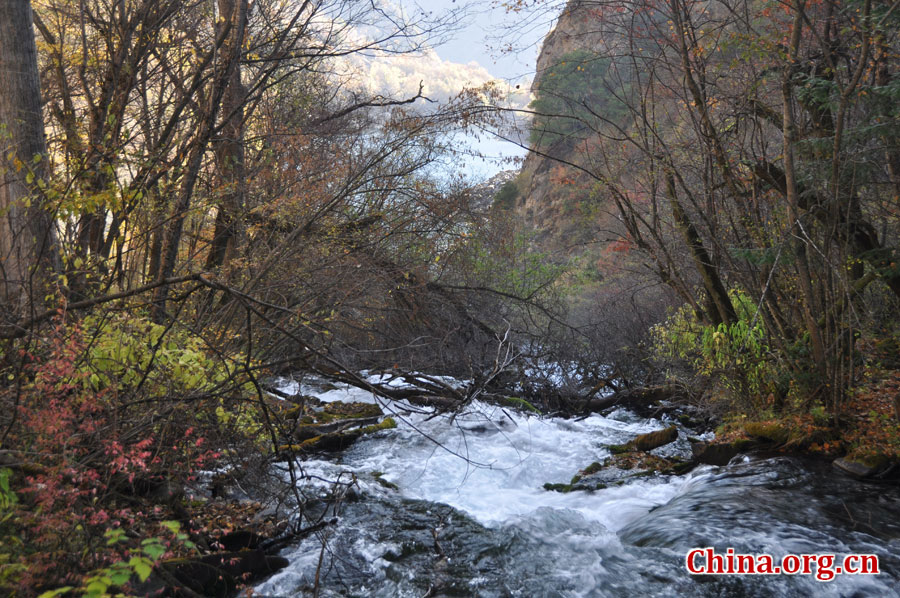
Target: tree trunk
[
  {"x": 230, "y": 153},
  {"x": 227, "y": 58},
  {"x": 719, "y": 307},
  {"x": 27, "y": 231},
  {"x": 793, "y": 200}
]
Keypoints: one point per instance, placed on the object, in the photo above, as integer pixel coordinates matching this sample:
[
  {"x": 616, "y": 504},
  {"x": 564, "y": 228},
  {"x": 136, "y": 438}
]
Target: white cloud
[{"x": 400, "y": 75}]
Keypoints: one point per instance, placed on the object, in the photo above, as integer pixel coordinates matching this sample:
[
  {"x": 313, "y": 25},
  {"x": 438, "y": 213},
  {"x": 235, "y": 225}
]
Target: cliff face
[{"x": 553, "y": 199}]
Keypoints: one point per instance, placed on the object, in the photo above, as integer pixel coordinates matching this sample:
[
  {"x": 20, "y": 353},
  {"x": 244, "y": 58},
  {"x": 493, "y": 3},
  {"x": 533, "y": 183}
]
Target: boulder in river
[
  {"x": 863, "y": 467},
  {"x": 720, "y": 453},
  {"x": 769, "y": 431},
  {"x": 651, "y": 440}
]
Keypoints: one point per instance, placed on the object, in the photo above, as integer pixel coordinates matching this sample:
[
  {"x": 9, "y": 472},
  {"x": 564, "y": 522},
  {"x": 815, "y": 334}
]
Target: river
[{"x": 447, "y": 506}]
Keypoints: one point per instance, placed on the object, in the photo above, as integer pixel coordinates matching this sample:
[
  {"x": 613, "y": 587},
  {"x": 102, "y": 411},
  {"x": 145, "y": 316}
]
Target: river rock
[
  {"x": 861, "y": 469},
  {"x": 768, "y": 431},
  {"x": 651, "y": 440},
  {"x": 719, "y": 453}
]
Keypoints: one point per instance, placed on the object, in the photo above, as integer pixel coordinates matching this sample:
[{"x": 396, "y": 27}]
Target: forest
[{"x": 201, "y": 198}]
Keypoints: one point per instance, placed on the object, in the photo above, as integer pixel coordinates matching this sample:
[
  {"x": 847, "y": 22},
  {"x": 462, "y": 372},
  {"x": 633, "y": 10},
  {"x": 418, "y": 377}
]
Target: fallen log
[
  {"x": 335, "y": 441},
  {"x": 306, "y": 431},
  {"x": 637, "y": 398}
]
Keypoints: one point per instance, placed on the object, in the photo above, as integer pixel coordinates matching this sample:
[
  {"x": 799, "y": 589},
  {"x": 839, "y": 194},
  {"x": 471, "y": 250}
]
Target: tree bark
[
  {"x": 226, "y": 60},
  {"x": 719, "y": 308},
  {"x": 27, "y": 231},
  {"x": 230, "y": 153},
  {"x": 807, "y": 297}
]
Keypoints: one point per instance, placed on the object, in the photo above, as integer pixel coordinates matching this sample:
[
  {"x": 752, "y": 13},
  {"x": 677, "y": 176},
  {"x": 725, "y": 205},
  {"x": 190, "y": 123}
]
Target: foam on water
[
  {"x": 492, "y": 464},
  {"x": 489, "y": 465}
]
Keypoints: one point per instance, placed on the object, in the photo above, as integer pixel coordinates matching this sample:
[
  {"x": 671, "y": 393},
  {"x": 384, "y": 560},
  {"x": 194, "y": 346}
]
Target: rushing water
[{"x": 470, "y": 516}]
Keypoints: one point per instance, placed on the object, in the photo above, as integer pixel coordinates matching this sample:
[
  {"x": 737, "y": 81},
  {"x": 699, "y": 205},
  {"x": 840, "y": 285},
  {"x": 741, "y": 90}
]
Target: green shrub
[
  {"x": 736, "y": 356},
  {"x": 128, "y": 351}
]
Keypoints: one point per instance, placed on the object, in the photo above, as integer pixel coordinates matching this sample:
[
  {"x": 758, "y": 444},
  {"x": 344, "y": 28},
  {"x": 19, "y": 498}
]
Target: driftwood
[
  {"x": 637, "y": 398},
  {"x": 307, "y": 431},
  {"x": 335, "y": 441}
]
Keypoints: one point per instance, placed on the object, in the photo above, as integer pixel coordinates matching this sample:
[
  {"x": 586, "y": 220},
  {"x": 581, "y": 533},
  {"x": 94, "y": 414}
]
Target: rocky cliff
[{"x": 555, "y": 200}]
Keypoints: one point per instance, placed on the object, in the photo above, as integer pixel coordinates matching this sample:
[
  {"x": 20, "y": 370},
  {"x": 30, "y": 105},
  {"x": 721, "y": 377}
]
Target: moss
[
  {"x": 652, "y": 440},
  {"x": 385, "y": 483},
  {"x": 564, "y": 488},
  {"x": 591, "y": 469},
  {"x": 289, "y": 448},
  {"x": 642, "y": 461},
  {"x": 618, "y": 449},
  {"x": 771, "y": 431},
  {"x": 743, "y": 444},
  {"x": 338, "y": 440},
  {"x": 387, "y": 423},
  {"x": 311, "y": 442},
  {"x": 874, "y": 460},
  {"x": 338, "y": 411},
  {"x": 680, "y": 468},
  {"x": 805, "y": 437}
]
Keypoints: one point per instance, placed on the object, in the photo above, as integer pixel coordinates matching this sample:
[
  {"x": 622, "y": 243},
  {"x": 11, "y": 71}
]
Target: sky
[{"x": 490, "y": 43}]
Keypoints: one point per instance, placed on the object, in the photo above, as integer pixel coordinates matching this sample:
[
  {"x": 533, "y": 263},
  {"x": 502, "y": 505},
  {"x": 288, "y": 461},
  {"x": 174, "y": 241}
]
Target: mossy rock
[
  {"x": 768, "y": 431},
  {"x": 686, "y": 420},
  {"x": 651, "y": 440},
  {"x": 855, "y": 468},
  {"x": 591, "y": 469},
  {"x": 564, "y": 488},
  {"x": 337, "y": 441},
  {"x": 722, "y": 452},
  {"x": 383, "y": 482},
  {"x": 864, "y": 465},
  {"x": 645, "y": 462},
  {"x": 681, "y": 468},
  {"x": 333, "y": 411},
  {"x": 802, "y": 438},
  {"x": 316, "y": 412}
]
